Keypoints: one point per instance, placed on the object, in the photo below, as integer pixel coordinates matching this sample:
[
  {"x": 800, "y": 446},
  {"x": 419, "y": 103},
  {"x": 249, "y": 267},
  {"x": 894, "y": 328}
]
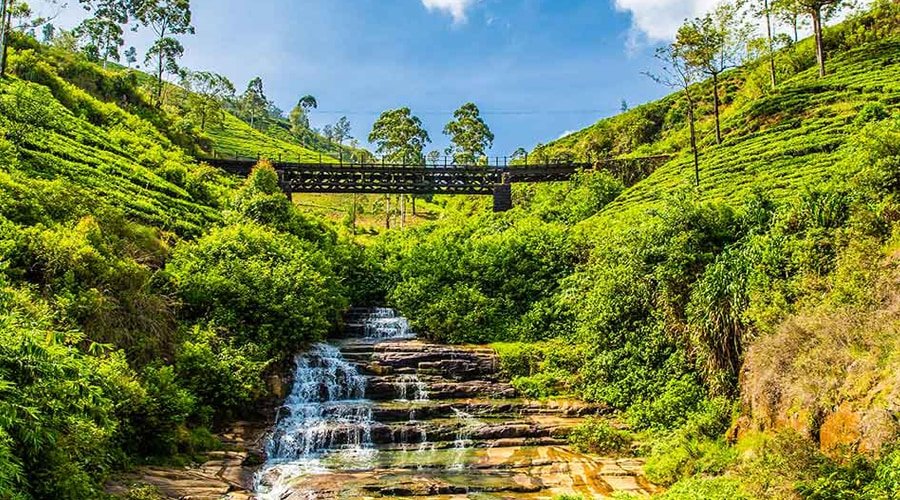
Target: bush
[
  {"x": 265, "y": 288},
  {"x": 707, "y": 488},
  {"x": 596, "y": 435},
  {"x": 224, "y": 378},
  {"x": 697, "y": 447}
]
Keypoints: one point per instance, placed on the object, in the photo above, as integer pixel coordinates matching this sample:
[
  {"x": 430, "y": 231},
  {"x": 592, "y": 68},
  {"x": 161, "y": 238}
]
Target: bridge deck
[{"x": 379, "y": 178}]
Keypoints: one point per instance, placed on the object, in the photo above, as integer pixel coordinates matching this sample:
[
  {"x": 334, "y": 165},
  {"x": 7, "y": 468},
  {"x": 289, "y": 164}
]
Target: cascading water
[
  {"x": 327, "y": 424},
  {"x": 411, "y": 388},
  {"x": 326, "y": 413},
  {"x": 384, "y": 323},
  {"x": 466, "y": 424}
]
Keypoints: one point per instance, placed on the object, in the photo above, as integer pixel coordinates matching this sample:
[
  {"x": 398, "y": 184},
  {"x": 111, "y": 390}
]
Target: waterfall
[
  {"x": 411, "y": 388},
  {"x": 463, "y": 442},
  {"x": 325, "y": 412},
  {"x": 384, "y": 323}
]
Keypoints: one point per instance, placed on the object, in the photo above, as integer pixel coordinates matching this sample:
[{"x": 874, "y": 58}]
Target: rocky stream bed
[{"x": 381, "y": 414}]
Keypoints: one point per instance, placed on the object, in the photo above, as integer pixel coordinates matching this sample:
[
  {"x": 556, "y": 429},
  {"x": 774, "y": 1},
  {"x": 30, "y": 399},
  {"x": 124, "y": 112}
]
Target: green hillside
[
  {"x": 777, "y": 141},
  {"x": 145, "y": 298},
  {"x": 237, "y": 137}
]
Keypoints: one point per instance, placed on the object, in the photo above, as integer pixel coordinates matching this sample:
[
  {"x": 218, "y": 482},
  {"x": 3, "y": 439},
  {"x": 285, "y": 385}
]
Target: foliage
[
  {"x": 400, "y": 137},
  {"x": 598, "y": 436},
  {"x": 469, "y": 134},
  {"x": 445, "y": 279},
  {"x": 266, "y": 288}
]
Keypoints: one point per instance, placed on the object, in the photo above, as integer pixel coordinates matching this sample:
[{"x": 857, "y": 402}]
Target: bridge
[{"x": 380, "y": 177}]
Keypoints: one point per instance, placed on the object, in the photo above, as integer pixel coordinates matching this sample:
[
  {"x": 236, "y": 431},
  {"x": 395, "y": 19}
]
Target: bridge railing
[{"x": 444, "y": 161}]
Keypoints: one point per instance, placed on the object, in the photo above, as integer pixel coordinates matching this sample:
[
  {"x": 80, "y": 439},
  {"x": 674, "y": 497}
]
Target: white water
[
  {"x": 325, "y": 414},
  {"x": 466, "y": 424},
  {"x": 411, "y": 388},
  {"x": 384, "y": 323}
]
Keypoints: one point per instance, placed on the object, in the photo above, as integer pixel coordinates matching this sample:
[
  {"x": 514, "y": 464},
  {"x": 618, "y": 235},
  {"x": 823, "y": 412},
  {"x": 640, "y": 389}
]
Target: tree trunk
[
  {"x": 820, "y": 43},
  {"x": 353, "y": 213},
  {"x": 796, "y": 24},
  {"x": 387, "y": 211},
  {"x": 771, "y": 45},
  {"x": 716, "y": 107},
  {"x": 694, "y": 144},
  {"x": 402, "y": 212},
  {"x": 414, "y": 206},
  {"x": 4, "y": 35},
  {"x": 7, "y": 29},
  {"x": 159, "y": 81}
]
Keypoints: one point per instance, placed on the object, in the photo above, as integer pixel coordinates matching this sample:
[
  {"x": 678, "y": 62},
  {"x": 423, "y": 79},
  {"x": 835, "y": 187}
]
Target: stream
[{"x": 383, "y": 414}]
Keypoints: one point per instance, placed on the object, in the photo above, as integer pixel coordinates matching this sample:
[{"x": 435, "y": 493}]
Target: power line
[{"x": 484, "y": 113}]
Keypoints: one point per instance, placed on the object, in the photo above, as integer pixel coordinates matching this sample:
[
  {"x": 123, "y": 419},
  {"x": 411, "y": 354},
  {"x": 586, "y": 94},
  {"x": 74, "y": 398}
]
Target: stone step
[
  {"x": 471, "y": 432},
  {"x": 389, "y": 388},
  {"x": 519, "y": 472},
  {"x": 395, "y": 411}
]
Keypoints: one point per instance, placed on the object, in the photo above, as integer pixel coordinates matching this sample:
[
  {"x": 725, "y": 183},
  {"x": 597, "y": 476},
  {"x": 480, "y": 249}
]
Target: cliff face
[{"x": 833, "y": 372}]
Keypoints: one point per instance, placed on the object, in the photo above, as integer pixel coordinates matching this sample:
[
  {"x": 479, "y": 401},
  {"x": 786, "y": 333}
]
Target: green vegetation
[
  {"x": 144, "y": 298},
  {"x": 599, "y": 436},
  {"x": 769, "y": 283},
  {"x": 745, "y": 329}
]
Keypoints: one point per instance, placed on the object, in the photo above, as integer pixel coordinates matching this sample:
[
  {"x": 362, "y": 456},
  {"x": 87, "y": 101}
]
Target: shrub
[
  {"x": 871, "y": 112},
  {"x": 223, "y": 377},
  {"x": 707, "y": 488},
  {"x": 265, "y": 288},
  {"x": 596, "y": 435}
]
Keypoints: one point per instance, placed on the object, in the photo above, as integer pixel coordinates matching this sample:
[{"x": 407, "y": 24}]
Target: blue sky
[{"x": 536, "y": 68}]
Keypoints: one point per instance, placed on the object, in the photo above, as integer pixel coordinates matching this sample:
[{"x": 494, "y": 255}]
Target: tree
[
  {"x": 165, "y": 52},
  {"x": 131, "y": 56},
  {"x": 104, "y": 30},
  {"x": 253, "y": 104},
  {"x": 676, "y": 73},
  {"x": 820, "y": 11},
  {"x": 399, "y": 136},
  {"x": 433, "y": 157},
  {"x": 104, "y": 38},
  {"x": 341, "y": 130},
  {"x": 712, "y": 44},
  {"x": 766, "y": 12},
  {"x": 207, "y": 95},
  {"x": 519, "y": 154},
  {"x": 469, "y": 134},
  {"x": 48, "y": 32},
  {"x": 789, "y": 12},
  {"x": 299, "y": 116},
  {"x": 19, "y": 11},
  {"x": 166, "y": 18}
]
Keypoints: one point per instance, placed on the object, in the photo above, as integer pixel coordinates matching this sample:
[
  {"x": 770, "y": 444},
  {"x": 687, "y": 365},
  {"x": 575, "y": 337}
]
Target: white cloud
[
  {"x": 658, "y": 20},
  {"x": 456, "y": 8}
]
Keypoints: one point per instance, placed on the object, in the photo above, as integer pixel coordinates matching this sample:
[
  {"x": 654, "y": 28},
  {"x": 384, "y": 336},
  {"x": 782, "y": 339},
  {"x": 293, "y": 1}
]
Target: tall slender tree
[
  {"x": 167, "y": 19},
  {"x": 677, "y": 73},
  {"x": 820, "y": 11},
  {"x": 104, "y": 28},
  {"x": 713, "y": 44},
  {"x": 299, "y": 116},
  {"x": 253, "y": 103},
  {"x": 469, "y": 134}
]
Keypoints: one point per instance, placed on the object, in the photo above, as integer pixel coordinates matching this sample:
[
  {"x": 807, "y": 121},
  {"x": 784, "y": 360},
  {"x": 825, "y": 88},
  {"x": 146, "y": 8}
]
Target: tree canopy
[
  {"x": 470, "y": 135},
  {"x": 399, "y": 136}
]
